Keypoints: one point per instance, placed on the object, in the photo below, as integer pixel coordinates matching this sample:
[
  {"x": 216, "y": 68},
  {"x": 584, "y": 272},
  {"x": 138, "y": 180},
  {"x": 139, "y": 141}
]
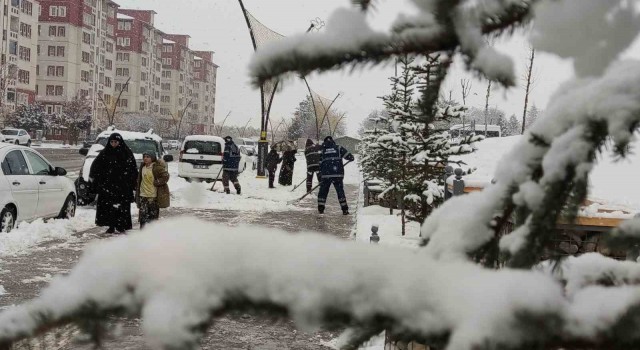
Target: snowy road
[{"x": 25, "y": 274}]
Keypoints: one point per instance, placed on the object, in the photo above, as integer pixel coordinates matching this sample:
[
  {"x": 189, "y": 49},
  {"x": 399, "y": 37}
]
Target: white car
[
  {"x": 138, "y": 142},
  {"x": 201, "y": 158},
  {"x": 31, "y": 188},
  {"x": 17, "y": 136},
  {"x": 174, "y": 144}
]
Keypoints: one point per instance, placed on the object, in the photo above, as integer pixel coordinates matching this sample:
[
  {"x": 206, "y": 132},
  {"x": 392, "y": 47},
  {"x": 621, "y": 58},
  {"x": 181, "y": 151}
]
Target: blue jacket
[
  {"x": 331, "y": 162},
  {"x": 231, "y": 157}
]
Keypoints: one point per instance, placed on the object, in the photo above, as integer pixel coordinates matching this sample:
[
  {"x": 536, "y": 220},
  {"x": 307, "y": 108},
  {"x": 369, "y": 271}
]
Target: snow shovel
[
  {"x": 298, "y": 185},
  {"x": 313, "y": 189},
  {"x": 216, "y": 180}
]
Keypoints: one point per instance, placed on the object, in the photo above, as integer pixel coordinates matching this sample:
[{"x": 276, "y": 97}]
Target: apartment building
[
  {"x": 18, "y": 52},
  {"x": 139, "y": 57},
  {"x": 177, "y": 80},
  {"x": 204, "y": 91},
  {"x": 76, "y": 49}
]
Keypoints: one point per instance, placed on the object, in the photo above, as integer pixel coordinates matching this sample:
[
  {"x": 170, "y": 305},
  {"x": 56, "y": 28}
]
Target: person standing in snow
[
  {"x": 286, "y": 170},
  {"x": 230, "y": 165},
  {"x": 312, "y": 154},
  {"x": 273, "y": 159},
  {"x": 152, "y": 191},
  {"x": 113, "y": 176},
  {"x": 332, "y": 172}
]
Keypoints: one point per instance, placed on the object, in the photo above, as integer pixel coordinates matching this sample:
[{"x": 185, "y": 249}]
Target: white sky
[{"x": 218, "y": 25}]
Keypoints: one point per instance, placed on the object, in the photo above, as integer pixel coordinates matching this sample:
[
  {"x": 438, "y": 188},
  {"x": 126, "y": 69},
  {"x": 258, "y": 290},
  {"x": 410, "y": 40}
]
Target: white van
[{"x": 201, "y": 158}]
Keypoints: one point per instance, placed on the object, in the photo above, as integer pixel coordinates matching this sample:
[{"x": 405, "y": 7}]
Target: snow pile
[
  {"x": 177, "y": 273},
  {"x": 29, "y": 234}
]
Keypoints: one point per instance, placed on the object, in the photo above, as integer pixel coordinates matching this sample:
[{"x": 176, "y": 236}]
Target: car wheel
[
  {"x": 17, "y": 142},
  {"x": 189, "y": 180},
  {"x": 69, "y": 208},
  {"x": 7, "y": 220},
  {"x": 29, "y": 143}
]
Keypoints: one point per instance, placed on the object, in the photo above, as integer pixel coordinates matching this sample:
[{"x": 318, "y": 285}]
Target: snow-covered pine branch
[
  {"x": 348, "y": 39},
  {"x": 182, "y": 273}
]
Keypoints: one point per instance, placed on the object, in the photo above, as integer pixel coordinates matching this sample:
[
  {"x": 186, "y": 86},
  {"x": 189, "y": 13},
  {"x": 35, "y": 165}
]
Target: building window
[
  {"x": 25, "y": 53},
  {"x": 197, "y": 64},
  {"x": 59, "y": 71},
  {"x": 53, "y": 31},
  {"x": 107, "y": 82},
  {"x": 109, "y": 47},
  {"x": 62, "y": 32},
  {"x": 27, "y": 7},
  {"x": 84, "y": 76},
  {"x": 50, "y": 90},
  {"x": 142, "y": 104},
  {"x": 86, "y": 57},
  {"x": 109, "y": 64},
  {"x": 167, "y": 48},
  {"x": 57, "y": 11},
  {"x": 23, "y": 76},
  {"x": 59, "y": 90},
  {"x": 25, "y": 30},
  {"x": 86, "y": 38},
  {"x": 124, "y": 42},
  {"x": 51, "y": 71},
  {"x": 144, "y": 61},
  {"x": 165, "y": 99},
  {"x": 13, "y": 47},
  {"x": 60, "y": 51},
  {"x": 144, "y": 76},
  {"x": 166, "y": 74},
  {"x": 166, "y": 86},
  {"x": 123, "y": 102},
  {"x": 124, "y": 25},
  {"x": 166, "y": 61}
]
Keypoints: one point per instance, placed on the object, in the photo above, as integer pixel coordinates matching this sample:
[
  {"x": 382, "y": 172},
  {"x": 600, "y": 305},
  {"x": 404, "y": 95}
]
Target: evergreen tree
[
  {"x": 532, "y": 116},
  {"x": 513, "y": 126},
  {"x": 31, "y": 118},
  {"x": 75, "y": 117}
]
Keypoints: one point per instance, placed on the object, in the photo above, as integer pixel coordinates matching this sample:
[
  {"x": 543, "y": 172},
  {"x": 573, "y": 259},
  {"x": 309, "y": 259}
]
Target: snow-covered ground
[
  {"x": 54, "y": 146},
  {"x": 256, "y": 194},
  {"x": 29, "y": 234}
]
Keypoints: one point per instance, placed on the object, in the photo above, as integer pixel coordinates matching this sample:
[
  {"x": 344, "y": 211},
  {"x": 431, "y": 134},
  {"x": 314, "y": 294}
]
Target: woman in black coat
[
  {"x": 286, "y": 171},
  {"x": 273, "y": 159},
  {"x": 113, "y": 176}
]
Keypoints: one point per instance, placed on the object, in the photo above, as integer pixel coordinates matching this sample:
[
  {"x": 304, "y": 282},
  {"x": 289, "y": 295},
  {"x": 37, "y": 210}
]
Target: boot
[
  {"x": 345, "y": 211},
  {"x": 111, "y": 230},
  {"x": 226, "y": 190},
  {"x": 320, "y": 210},
  {"x": 239, "y": 190}
]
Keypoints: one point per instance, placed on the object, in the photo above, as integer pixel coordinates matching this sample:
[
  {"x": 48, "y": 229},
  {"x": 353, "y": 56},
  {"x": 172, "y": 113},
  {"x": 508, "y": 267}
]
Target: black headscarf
[
  {"x": 121, "y": 152},
  {"x": 328, "y": 142},
  {"x": 115, "y": 166}
]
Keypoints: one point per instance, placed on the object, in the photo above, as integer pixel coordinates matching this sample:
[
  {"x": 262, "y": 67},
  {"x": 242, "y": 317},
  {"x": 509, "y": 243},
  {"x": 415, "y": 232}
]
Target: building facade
[
  {"x": 204, "y": 91},
  {"x": 18, "y": 52},
  {"x": 76, "y": 53}
]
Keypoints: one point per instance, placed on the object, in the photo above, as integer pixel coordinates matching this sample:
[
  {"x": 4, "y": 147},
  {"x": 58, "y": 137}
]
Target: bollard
[
  {"x": 448, "y": 171},
  {"x": 374, "y": 235},
  {"x": 458, "y": 183}
]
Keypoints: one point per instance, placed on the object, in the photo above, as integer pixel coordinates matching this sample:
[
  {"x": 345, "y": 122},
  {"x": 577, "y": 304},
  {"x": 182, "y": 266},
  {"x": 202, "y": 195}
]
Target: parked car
[
  {"x": 251, "y": 150},
  {"x": 138, "y": 142},
  {"x": 201, "y": 158},
  {"x": 174, "y": 144},
  {"x": 31, "y": 188},
  {"x": 17, "y": 136}
]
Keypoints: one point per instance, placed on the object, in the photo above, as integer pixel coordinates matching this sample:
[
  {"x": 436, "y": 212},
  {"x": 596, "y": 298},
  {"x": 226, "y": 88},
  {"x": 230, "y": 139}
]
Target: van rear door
[{"x": 203, "y": 156}]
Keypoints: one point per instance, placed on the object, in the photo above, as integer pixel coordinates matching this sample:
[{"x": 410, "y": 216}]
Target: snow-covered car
[
  {"x": 251, "y": 150},
  {"x": 31, "y": 188},
  {"x": 138, "y": 142},
  {"x": 17, "y": 136},
  {"x": 174, "y": 144},
  {"x": 201, "y": 158}
]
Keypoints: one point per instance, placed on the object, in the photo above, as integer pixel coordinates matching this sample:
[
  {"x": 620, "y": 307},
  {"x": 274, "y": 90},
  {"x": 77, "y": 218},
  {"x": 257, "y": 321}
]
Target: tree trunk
[
  {"x": 486, "y": 108},
  {"x": 528, "y": 89}
]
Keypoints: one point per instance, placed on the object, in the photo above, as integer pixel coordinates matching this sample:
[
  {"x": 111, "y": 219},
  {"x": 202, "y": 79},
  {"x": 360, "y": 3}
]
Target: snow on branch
[
  {"x": 545, "y": 172},
  {"x": 181, "y": 272},
  {"x": 349, "y": 39}
]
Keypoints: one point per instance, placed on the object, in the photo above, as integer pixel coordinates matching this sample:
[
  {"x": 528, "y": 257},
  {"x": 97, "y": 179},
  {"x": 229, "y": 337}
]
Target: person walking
[
  {"x": 286, "y": 170},
  {"x": 273, "y": 159},
  {"x": 332, "y": 172},
  {"x": 312, "y": 154},
  {"x": 152, "y": 190},
  {"x": 230, "y": 165},
  {"x": 113, "y": 177}
]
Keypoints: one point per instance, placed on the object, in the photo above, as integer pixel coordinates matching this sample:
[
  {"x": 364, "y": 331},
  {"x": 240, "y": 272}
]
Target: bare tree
[
  {"x": 465, "y": 84},
  {"x": 528, "y": 78},
  {"x": 111, "y": 106},
  {"x": 75, "y": 117},
  {"x": 178, "y": 119},
  {"x": 218, "y": 128}
]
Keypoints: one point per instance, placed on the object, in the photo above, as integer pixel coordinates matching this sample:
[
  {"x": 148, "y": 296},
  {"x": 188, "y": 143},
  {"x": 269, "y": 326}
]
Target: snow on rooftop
[
  {"x": 167, "y": 41},
  {"x": 614, "y": 182},
  {"x": 123, "y": 16}
]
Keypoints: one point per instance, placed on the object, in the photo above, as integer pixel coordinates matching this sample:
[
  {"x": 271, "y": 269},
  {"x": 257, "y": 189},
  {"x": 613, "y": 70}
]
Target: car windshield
[
  {"x": 137, "y": 146},
  {"x": 203, "y": 147},
  {"x": 9, "y": 132}
]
